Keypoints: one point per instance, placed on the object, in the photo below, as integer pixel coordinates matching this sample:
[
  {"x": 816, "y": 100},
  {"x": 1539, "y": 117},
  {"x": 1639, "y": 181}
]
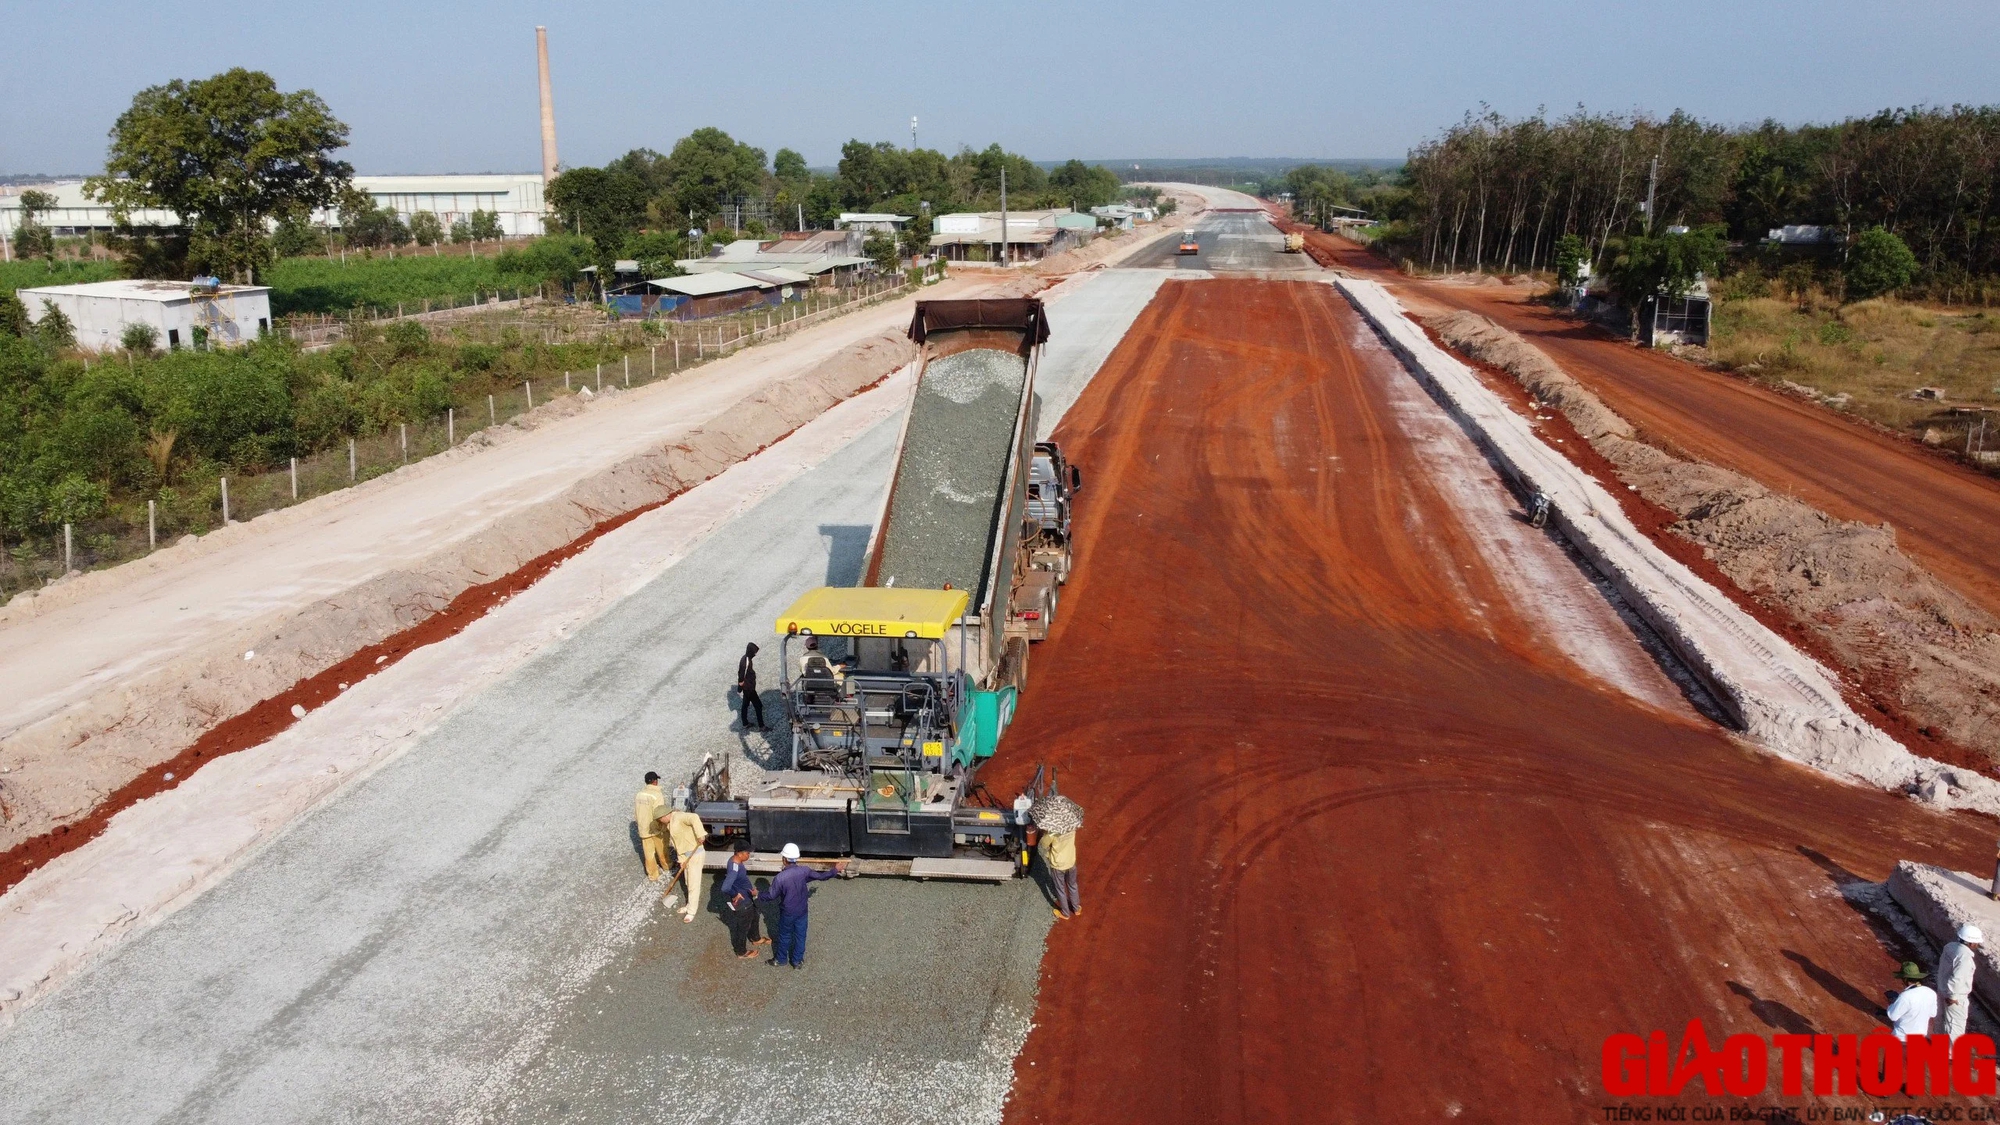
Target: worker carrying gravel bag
[{"x": 1059, "y": 819}]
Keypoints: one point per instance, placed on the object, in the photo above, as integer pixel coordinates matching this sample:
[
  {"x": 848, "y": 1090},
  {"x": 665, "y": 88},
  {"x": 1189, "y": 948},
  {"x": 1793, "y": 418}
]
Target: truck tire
[{"x": 1013, "y": 671}]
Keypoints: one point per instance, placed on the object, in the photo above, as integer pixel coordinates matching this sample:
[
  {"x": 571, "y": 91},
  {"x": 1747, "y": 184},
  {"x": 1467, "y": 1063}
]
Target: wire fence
[
  {"x": 313, "y": 330},
  {"x": 656, "y": 351}
]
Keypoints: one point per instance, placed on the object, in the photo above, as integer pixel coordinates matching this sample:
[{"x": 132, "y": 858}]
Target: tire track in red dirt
[
  {"x": 1947, "y": 514},
  {"x": 1355, "y": 852}
]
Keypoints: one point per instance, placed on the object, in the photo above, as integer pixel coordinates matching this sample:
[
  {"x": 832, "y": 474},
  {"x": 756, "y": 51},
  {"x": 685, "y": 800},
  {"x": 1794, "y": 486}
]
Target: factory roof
[
  {"x": 709, "y": 284},
  {"x": 804, "y": 263},
  {"x": 140, "y": 290}
]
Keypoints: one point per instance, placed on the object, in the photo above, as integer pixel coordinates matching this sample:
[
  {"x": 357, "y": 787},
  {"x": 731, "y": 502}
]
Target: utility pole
[
  {"x": 1003, "y": 214},
  {"x": 1652, "y": 184}
]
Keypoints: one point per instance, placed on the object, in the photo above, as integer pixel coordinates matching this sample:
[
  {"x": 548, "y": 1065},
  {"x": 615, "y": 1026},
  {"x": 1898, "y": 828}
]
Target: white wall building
[
  {"x": 515, "y": 198},
  {"x": 102, "y": 310}
]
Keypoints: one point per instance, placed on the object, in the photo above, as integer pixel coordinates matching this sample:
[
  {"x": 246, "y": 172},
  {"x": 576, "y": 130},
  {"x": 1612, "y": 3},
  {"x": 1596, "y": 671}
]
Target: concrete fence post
[
  {"x": 492, "y": 413},
  {"x": 225, "y": 501},
  {"x": 350, "y": 460},
  {"x": 656, "y": 361},
  {"x": 628, "y": 372},
  {"x": 600, "y": 376},
  {"x": 152, "y": 525},
  {"x": 69, "y": 550},
  {"x": 530, "y": 385},
  {"x": 677, "y": 353},
  {"x": 295, "y": 478},
  {"x": 450, "y": 426},
  {"x": 565, "y": 380}
]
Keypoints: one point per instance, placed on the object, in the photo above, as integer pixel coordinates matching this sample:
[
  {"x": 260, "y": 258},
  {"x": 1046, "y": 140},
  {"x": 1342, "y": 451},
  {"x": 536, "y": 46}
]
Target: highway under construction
[{"x": 1397, "y": 805}]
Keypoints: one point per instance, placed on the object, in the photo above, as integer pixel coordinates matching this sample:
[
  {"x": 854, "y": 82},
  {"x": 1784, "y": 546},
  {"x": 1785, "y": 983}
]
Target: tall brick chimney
[{"x": 548, "y": 108}]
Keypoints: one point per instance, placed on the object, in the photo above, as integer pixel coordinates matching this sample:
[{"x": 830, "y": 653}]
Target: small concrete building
[
  {"x": 102, "y": 310},
  {"x": 872, "y": 222},
  {"x": 1031, "y": 235}
]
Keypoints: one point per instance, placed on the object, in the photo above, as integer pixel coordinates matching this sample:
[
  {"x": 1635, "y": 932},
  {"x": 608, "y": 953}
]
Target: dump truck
[
  {"x": 899, "y": 688},
  {"x": 1294, "y": 242}
]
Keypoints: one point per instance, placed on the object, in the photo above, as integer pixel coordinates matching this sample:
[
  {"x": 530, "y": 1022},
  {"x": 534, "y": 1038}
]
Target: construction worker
[
  {"x": 792, "y": 891},
  {"x": 1058, "y": 852},
  {"x": 1914, "y": 1007},
  {"x": 739, "y": 904},
  {"x": 1954, "y": 977},
  {"x": 686, "y": 832},
  {"x": 814, "y": 662},
  {"x": 746, "y": 687},
  {"x": 646, "y": 811}
]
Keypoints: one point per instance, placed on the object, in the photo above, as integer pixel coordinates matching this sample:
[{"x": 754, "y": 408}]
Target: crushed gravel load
[{"x": 943, "y": 512}]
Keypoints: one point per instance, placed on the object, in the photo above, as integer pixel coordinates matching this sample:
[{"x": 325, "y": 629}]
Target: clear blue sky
[{"x": 450, "y": 87}]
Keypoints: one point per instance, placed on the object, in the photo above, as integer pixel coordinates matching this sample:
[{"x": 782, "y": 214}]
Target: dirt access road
[
  {"x": 1948, "y": 516},
  {"x": 1365, "y": 842}
]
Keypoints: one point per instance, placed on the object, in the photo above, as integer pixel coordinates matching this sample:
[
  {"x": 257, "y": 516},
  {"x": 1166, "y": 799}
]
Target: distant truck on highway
[
  {"x": 900, "y": 688},
  {"x": 1190, "y": 244}
]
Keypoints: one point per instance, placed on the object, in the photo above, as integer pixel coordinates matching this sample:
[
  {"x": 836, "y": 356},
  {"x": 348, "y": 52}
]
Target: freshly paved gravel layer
[
  {"x": 947, "y": 494},
  {"x": 466, "y": 934}
]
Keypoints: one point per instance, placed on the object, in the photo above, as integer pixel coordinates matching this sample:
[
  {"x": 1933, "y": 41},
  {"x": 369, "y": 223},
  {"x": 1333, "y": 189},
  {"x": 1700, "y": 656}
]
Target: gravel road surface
[
  {"x": 1230, "y": 242},
  {"x": 466, "y": 934}
]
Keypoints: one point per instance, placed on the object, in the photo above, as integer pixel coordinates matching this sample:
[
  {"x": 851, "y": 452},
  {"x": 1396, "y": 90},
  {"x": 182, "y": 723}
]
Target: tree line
[
  {"x": 1498, "y": 193},
  {"x": 641, "y": 205}
]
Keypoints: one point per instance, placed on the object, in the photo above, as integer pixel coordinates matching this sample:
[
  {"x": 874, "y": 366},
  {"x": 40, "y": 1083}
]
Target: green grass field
[
  {"x": 329, "y": 285},
  {"x": 40, "y": 271}
]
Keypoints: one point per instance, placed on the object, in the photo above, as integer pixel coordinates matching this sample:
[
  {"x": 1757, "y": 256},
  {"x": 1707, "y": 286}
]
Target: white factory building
[
  {"x": 102, "y": 310},
  {"x": 515, "y": 197}
]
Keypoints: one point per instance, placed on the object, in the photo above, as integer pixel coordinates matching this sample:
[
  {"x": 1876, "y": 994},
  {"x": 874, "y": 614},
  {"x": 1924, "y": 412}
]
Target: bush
[
  {"x": 477, "y": 357},
  {"x": 296, "y": 237},
  {"x": 54, "y": 329},
  {"x": 1570, "y": 257},
  {"x": 140, "y": 338},
  {"x": 1879, "y": 263},
  {"x": 425, "y": 228},
  {"x": 73, "y": 500}
]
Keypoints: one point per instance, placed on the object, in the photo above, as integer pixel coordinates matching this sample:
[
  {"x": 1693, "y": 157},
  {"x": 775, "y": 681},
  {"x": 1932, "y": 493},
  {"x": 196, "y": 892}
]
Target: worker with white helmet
[
  {"x": 792, "y": 891},
  {"x": 1954, "y": 977}
]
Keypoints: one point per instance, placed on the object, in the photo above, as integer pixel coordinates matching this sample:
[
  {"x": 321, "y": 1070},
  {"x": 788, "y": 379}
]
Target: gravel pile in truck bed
[{"x": 947, "y": 492}]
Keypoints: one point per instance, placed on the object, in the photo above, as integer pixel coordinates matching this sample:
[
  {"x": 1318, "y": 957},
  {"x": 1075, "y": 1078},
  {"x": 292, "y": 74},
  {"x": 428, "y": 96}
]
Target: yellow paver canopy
[{"x": 872, "y": 611}]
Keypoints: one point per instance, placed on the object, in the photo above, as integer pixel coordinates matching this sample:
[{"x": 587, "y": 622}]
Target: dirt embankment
[
  {"x": 56, "y": 772},
  {"x": 1916, "y": 648}
]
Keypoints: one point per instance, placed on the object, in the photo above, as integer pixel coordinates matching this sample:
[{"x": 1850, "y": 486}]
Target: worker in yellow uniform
[
  {"x": 1058, "y": 851},
  {"x": 687, "y": 833},
  {"x": 646, "y": 811}
]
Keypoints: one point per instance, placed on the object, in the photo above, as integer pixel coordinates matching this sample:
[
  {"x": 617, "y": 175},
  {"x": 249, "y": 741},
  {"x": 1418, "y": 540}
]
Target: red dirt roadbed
[{"x": 1359, "y": 848}]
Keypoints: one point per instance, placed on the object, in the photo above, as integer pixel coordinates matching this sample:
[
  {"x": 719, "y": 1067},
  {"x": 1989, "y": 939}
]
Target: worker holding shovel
[{"x": 687, "y": 833}]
